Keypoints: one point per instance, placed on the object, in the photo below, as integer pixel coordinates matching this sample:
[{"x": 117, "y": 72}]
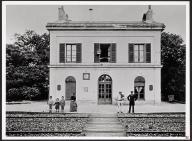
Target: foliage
[
  {"x": 26, "y": 66},
  {"x": 22, "y": 93},
  {"x": 13, "y": 94},
  {"x": 29, "y": 93},
  {"x": 173, "y": 71}
]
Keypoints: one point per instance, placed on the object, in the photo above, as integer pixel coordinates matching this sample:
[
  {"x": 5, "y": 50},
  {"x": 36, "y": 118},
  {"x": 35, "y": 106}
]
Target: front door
[
  {"x": 105, "y": 89},
  {"x": 70, "y": 87}
]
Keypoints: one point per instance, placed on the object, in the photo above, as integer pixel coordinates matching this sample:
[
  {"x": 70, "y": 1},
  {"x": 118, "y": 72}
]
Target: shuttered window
[
  {"x": 148, "y": 53},
  {"x": 79, "y": 53},
  {"x": 139, "y": 53},
  {"x": 96, "y": 54},
  {"x": 113, "y": 53},
  {"x": 131, "y": 53},
  {"x": 70, "y": 53},
  {"x": 62, "y": 53}
]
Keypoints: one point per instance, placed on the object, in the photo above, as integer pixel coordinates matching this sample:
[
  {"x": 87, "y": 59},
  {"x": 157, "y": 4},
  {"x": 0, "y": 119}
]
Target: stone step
[
  {"x": 104, "y": 125},
  {"x": 98, "y": 134},
  {"x": 104, "y": 122},
  {"x": 103, "y": 115},
  {"x": 96, "y": 129}
]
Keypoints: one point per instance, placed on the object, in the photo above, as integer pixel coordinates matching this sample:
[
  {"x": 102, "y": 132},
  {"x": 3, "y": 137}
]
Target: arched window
[{"x": 139, "y": 87}]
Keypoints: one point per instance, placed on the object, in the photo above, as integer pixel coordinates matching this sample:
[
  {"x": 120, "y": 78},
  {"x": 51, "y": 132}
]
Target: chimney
[
  {"x": 62, "y": 16},
  {"x": 148, "y": 16}
]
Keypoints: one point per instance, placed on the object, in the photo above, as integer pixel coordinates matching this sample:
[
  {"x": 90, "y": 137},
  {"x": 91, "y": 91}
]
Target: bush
[
  {"x": 23, "y": 93},
  {"x": 29, "y": 93},
  {"x": 13, "y": 94}
]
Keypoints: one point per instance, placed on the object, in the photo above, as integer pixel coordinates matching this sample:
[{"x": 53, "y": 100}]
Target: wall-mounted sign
[
  {"x": 85, "y": 89},
  {"x": 150, "y": 87},
  {"x": 58, "y": 87},
  {"x": 86, "y": 76}
]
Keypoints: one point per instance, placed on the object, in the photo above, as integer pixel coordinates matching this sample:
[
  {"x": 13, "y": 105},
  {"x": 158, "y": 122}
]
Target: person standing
[
  {"x": 132, "y": 98},
  {"x": 120, "y": 99},
  {"x": 73, "y": 104},
  {"x": 57, "y": 103},
  {"x": 62, "y": 103},
  {"x": 50, "y": 103}
]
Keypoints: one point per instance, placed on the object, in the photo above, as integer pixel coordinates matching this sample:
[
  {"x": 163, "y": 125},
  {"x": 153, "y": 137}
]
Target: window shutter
[
  {"x": 78, "y": 53},
  {"x": 113, "y": 53},
  {"x": 62, "y": 53},
  {"x": 131, "y": 53},
  {"x": 96, "y": 48},
  {"x": 148, "y": 53}
]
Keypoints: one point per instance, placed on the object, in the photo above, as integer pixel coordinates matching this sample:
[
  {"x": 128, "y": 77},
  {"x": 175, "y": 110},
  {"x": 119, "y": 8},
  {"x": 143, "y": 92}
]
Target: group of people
[
  {"x": 131, "y": 98},
  {"x": 73, "y": 105},
  {"x": 61, "y": 103}
]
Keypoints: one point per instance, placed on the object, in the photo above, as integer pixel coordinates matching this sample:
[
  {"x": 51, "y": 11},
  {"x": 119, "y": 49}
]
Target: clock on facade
[{"x": 86, "y": 76}]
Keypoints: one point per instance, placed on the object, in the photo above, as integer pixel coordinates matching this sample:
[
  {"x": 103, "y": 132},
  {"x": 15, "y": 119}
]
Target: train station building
[{"x": 94, "y": 60}]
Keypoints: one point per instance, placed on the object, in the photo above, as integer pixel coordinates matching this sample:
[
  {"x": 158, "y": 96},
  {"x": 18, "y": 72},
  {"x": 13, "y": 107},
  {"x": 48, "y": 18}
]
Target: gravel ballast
[
  {"x": 164, "y": 124},
  {"x": 34, "y": 124}
]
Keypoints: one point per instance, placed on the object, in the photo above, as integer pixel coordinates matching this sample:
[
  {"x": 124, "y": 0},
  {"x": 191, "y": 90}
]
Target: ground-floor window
[
  {"x": 70, "y": 84},
  {"x": 139, "y": 87},
  {"x": 105, "y": 89}
]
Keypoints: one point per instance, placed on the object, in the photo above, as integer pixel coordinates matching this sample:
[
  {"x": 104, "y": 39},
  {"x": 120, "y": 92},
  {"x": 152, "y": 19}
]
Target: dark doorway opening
[{"x": 70, "y": 85}]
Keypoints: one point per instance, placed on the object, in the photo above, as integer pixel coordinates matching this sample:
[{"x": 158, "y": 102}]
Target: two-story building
[{"x": 95, "y": 60}]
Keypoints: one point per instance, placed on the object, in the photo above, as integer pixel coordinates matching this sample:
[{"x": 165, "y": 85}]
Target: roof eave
[{"x": 101, "y": 29}]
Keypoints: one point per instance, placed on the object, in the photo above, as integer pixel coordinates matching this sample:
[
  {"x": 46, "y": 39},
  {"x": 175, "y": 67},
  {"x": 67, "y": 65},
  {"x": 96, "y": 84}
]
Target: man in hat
[{"x": 132, "y": 98}]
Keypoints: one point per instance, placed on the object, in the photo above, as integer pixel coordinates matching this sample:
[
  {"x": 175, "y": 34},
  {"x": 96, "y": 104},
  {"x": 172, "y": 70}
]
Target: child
[
  {"x": 73, "y": 104},
  {"x": 50, "y": 103},
  {"x": 57, "y": 105},
  {"x": 62, "y": 103}
]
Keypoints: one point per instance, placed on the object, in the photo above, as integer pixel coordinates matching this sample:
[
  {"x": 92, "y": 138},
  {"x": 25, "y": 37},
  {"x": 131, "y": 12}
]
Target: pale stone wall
[
  {"x": 122, "y": 80},
  {"x": 122, "y": 77},
  {"x": 121, "y": 38}
]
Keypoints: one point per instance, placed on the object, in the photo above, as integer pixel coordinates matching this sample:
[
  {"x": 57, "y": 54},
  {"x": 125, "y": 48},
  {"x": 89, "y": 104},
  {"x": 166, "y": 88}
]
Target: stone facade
[{"x": 129, "y": 65}]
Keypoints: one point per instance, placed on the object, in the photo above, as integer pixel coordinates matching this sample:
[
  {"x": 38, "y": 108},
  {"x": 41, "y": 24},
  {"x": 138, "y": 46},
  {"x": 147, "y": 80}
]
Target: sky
[{"x": 20, "y": 18}]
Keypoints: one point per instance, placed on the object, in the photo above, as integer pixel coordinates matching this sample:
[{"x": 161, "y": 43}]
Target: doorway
[
  {"x": 104, "y": 89},
  {"x": 139, "y": 87},
  {"x": 70, "y": 84}
]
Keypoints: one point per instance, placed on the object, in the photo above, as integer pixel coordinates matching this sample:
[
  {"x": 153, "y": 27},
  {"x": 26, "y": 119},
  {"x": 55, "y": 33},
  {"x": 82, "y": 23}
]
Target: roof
[{"x": 104, "y": 25}]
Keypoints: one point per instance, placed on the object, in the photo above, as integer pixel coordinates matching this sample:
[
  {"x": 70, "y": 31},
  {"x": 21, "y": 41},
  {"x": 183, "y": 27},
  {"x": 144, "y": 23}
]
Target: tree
[
  {"x": 34, "y": 47},
  {"x": 27, "y": 61},
  {"x": 173, "y": 61}
]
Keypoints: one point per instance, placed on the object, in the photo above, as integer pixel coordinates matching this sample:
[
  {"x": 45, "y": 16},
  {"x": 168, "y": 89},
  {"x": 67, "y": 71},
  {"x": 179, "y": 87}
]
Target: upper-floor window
[
  {"x": 104, "y": 52},
  {"x": 139, "y": 53},
  {"x": 70, "y": 53}
]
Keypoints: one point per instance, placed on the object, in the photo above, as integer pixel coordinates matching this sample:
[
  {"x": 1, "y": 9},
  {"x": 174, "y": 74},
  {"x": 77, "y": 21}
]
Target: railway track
[
  {"x": 153, "y": 126},
  {"x": 155, "y": 133},
  {"x": 45, "y": 133},
  {"x": 135, "y": 125},
  {"x": 38, "y": 124}
]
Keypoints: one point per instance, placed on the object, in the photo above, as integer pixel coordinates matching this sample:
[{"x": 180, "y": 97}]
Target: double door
[{"x": 105, "y": 93}]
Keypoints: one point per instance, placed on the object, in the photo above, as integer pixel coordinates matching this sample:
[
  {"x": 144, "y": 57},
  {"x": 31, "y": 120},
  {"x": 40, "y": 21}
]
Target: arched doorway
[
  {"x": 70, "y": 90},
  {"x": 104, "y": 89},
  {"x": 139, "y": 87}
]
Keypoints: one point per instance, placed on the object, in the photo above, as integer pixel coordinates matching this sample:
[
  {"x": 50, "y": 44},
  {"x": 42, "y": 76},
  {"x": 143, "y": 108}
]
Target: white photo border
[{"x": 6, "y": 3}]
